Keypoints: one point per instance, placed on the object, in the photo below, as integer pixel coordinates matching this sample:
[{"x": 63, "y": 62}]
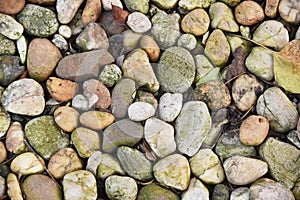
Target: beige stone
[
  {"x": 195, "y": 22},
  {"x": 3, "y": 152},
  {"x": 67, "y": 118},
  {"x": 249, "y": 13},
  {"x": 91, "y": 11},
  {"x": 96, "y": 120},
  {"x": 60, "y": 89}
]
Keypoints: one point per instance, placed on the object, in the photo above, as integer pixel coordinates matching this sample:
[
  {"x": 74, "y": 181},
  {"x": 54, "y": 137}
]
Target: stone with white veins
[
  {"x": 140, "y": 111},
  {"x": 10, "y": 27},
  {"x": 66, "y": 9},
  {"x": 170, "y": 106},
  {"x": 22, "y": 45},
  {"x": 138, "y": 22}
]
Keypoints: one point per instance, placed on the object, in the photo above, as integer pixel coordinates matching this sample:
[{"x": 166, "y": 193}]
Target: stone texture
[
  {"x": 254, "y": 11},
  {"x": 220, "y": 192},
  {"x": 66, "y": 10},
  {"x": 195, "y": 191},
  {"x": 2, "y": 186},
  {"x": 187, "y": 41},
  {"x": 67, "y": 118},
  {"x": 96, "y": 120},
  {"x": 148, "y": 44},
  {"x": 107, "y": 4},
  {"x": 186, "y": 5},
  {"x": 138, "y": 22},
  {"x": 22, "y": 48},
  {"x": 13, "y": 187},
  {"x": 3, "y": 152},
  {"x": 10, "y": 69},
  {"x": 110, "y": 75},
  {"x": 15, "y": 138},
  {"x": 91, "y": 11},
  {"x": 110, "y": 25},
  {"x": 289, "y": 11},
  {"x": 170, "y": 106},
  {"x": 65, "y": 31},
  {"x": 203, "y": 67},
  {"x": 140, "y": 111},
  {"x": 11, "y": 7},
  {"x": 61, "y": 89},
  {"x": 43, "y": 2},
  {"x": 4, "y": 122},
  {"x": 121, "y": 187},
  {"x": 195, "y": 22},
  {"x": 13, "y": 29},
  {"x": 156, "y": 192},
  {"x": 7, "y": 46},
  {"x": 137, "y": 5},
  {"x": 81, "y": 102},
  {"x": 108, "y": 166},
  {"x": 27, "y": 163},
  {"x": 60, "y": 42},
  {"x": 271, "y": 8},
  {"x": 241, "y": 193}
]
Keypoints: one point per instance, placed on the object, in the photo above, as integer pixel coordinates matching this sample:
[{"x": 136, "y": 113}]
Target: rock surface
[
  {"x": 10, "y": 69},
  {"x": 195, "y": 22},
  {"x": 120, "y": 187},
  {"x": 13, "y": 29}
]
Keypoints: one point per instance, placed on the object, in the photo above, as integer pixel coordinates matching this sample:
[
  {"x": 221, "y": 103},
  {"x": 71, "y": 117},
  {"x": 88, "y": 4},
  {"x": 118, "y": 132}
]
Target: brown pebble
[
  {"x": 91, "y": 11},
  {"x": 96, "y": 120},
  {"x": 151, "y": 47},
  {"x": 61, "y": 90},
  {"x": 11, "y": 7},
  {"x": 67, "y": 118},
  {"x": 271, "y": 8},
  {"x": 249, "y": 13},
  {"x": 196, "y": 22},
  {"x": 15, "y": 138},
  {"x": 254, "y": 130},
  {"x": 3, "y": 152}
]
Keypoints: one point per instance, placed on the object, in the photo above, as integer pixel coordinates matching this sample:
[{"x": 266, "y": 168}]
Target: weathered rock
[
  {"x": 67, "y": 118},
  {"x": 187, "y": 41},
  {"x": 107, "y": 4},
  {"x": 13, "y": 187},
  {"x": 121, "y": 187},
  {"x": 11, "y": 7},
  {"x": 220, "y": 192},
  {"x": 140, "y": 111},
  {"x": 13, "y": 29},
  {"x": 254, "y": 11},
  {"x": 27, "y": 163},
  {"x": 43, "y": 2},
  {"x": 296, "y": 190},
  {"x": 137, "y": 5},
  {"x": 278, "y": 109},
  {"x": 170, "y": 106},
  {"x": 7, "y": 46},
  {"x": 195, "y": 191},
  {"x": 93, "y": 162},
  {"x": 156, "y": 192},
  {"x": 96, "y": 120},
  {"x": 130, "y": 41},
  {"x": 203, "y": 67},
  {"x": 66, "y": 10},
  {"x": 25, "y": 97},
  {"x": 4, "y": 122},
  {"x": 61, "y": 90},
  {"x": 15, "y": 138},
  {"x": 3, "y": 152},
  {"x": 81, "y": 102},
  {"x": 135, "y": 163},
  {"x": 149, "y": 45},
  {"x": 38, "y": 21},
  {"x": 10, "y": 69},
  {"x": 189, "y": 137},
  {"x": 284, "y": 169},
  {"x": 138, "y": 22},
  {"x": 271, "y": 8},
  {"x": 173, "y": 171},
  {"x": 241, "y": 193},
  {"x": 91, "y": 11},
  {"x": 108, "y": 166},
  {"x": 289, "y": 11},
  {"x": 147, "y": 97},
  {"x": 110, "y": 75},
  {"x": 195, "y": 22},
  {"x": 79, "y": 185},
  {"x": 186, "y": 5}
]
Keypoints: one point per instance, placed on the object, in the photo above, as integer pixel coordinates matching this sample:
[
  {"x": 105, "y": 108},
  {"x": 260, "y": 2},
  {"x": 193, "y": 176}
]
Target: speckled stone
[
  {"x": 61, "y": 89},
  {"x": 156, "y": 192},
  {"x": 91, "y": 11},
  {"x": 240, "y": 193},
  {"x": 27, "y": 163},
  {"x": 15, "y": 138},
  {"x": 13, "y": 29},
  {"x": 220, "y": 192},
  {"x": 7, "y": 46},
  {"x": 121, "y": 187},
  {"x": 110, "y": 75},
  {"x": 60, "y": 42},
  {"x": 10, "y": 69}
]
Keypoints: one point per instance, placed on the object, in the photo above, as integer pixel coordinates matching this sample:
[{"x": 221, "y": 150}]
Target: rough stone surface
[
  {"x": 271, "y": 8},
  {"x": 170, "y": 106},
  {"x": 96, "y": 120},
  {"x": 13, "y": 29},
  {"x": 137, "y": 5},
  {"x": 156, "y": 192},
  {"x": 254, "y": 11},
  {"x": 10, "y": 69},
  {"x": 220, "y": 192},
  {"x": 241, "y": 193},
  {"x": 195, "y": 22},
  {"x": 109, "y": 165},
  {"x": 91, "y": 11},
  {"x": 107, "y": 4},
  {"x": 148, "y": 44},
  {"x": 15, "y": 138},
  {"x": 27, "y": 163},
  {"x": 110, "y": 75},
  {"x": 66, "y": 10},
  {"x": 60, "y": 42},
  {"x": 121, "y": 187}
]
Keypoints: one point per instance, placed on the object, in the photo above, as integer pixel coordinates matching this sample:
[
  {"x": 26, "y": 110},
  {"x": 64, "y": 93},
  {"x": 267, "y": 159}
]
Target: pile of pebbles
[{"x": 167, "y": 99}]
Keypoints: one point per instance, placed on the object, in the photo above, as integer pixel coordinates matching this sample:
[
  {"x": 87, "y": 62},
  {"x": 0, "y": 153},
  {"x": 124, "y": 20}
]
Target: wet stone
[
  {"x": 96, "y": 120},
  {"x": 156, "y": 192},
  {"x": 4, "y": 122},
  {"x": 7, "y": 46},
  {"x": 138, "y": 22},
  {"x": 91, "y": 11},
  {"x": 10, "y": 69},
  {"x": 196, "y": 190},
  {"x": 137, "y": 5},
  {"x": 140, "y": 111},
  {"x": 254, "y": 11},
  {"x": 66, "y": 10},
  {"x": 27, "y": 163},
  {"x": 13, "y": 29},
  {"x": 11, "y": 7},
  {"x": 195, "y": 22},
  {"x": 108, "y": 166},
  {"x": 110, "y": 75},
  {"x": 289, "y": 11},
  {"x": 170, "y": 106},
  {"x": 121, "y": 187},
  {"x": 15, "y": 138},
  {"x": 38, "y": 21},
  {"x": 61, "y": 90}
]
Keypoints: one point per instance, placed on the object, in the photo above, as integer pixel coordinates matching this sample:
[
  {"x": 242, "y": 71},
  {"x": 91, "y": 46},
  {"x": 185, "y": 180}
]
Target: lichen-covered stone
[
  {"x": 110, "y": 75},
  {"x": 12, "y": 29},
  {"x": 187, "y": 5},
  {"x": 7, "y": 46},
  {"x": 121, "y": 187},
  {"x": 10, "y": 69},
  {"x": 220, "y": 192},
  {"x": 108, "y": 165},
  {"x": 156, "y": 192}
]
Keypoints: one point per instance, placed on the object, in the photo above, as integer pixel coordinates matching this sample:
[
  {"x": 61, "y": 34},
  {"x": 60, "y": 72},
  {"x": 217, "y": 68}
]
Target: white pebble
[
  {"x": 65, "y": 31},
  {"x": 138, "y": 22},
  {"x": 170, "y": 106},
  {"x": 140, "y": 111}
]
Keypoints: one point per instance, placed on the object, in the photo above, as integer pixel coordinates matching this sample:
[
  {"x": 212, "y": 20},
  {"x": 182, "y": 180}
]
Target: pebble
[
  {"x": 241, "y": 170},
  {"x": 24, "y": 92},
  {"x": 122, "y": 96},
  {"x": 93, "y": 162},
  {"x": 229, "y": 145},
  {"x": 271, "y": 8},
  {"x": 85, "y": 141},
  {"x": 176, "y": 74},
  {"x": 296, "y": 190},
  {"x": 135, "y": 164},
  {"x": 66, "y": 10},
  {"x": 22, "y": 48},
  {"x": 245, "y": 91},
  {"x": 108, "y": 166},
  {"x": 11, "y": 69},
  {"x": 5, "y": 121},
  {"x": 96, "y": 120},
  {"x": 27, "y": 163},
  {"x": 2, "y": 186},
  {"x": 271, "y": 33},
  {"x": 149, "y": 45},
  {"x": 214, "y": 93},
  {"x": 42, "y": 58},
  {"x": 76, "y": 24},
  {"x": 155, "y": 191},
  {"x": 137, "y": 5},
  {"x": 165, "y": 29},
  {"x": 5, "y": 170},
  {"x": 80, "y": 102},
  {"x": 217, "y": 48},
  {"x": 170, "y": 106},
  {"x": 289, "y": 11},
  {"x": 92, "y": 37},
  {"x": 67, "y": 118},
  {"x": 293, "y": 138},
  {"x": 40, "y": 186},
  {"x": 284, "y": 169},
  {"x": 222, "y": 18},
  {"x": 254, "y": 130},
  {"x": 13, "y": 187},
  {"x": 60, "y": 42},
  {"x": 274, "y": 105},
  {"x": 11, "y": 7},
  {"x": 260, "y": 63},
  {"x": 160, "y": 137},
  {"x": 269, "y": 189},
  {"x": 187, "y": 41},
  {"x": 195, "y": 22},
  {"x": 3, "y": 152},
  {"x": 196, "y": 191},
  {"x": 254, "y": 11},
  {"x": 38, "y": 21},
  {"x": 121, "y": 187},
  {"x": 43, "y": 2},
  {"x": 110, "y": 75},
  {"x": 91, "y": 11},
  {"x": 7, "y": 46},
  {"x": 107, "y": 4},
  {"x": 65, "y": 31},
  {"x": 173, "y": 171},
  {"x": 85, "y": 65},
  {"x": 190, "y": 5},
  {"x": 63, "y": 162},
  {"x": 297, "y": 36},
  {"x": 13, "y": 29},
  {"x": 241, "y": 193},
  {"x": 189, "y": 138},
  {"x": 140, "y": 111},
  {"x": 79, "y": 185},
  {"x": 203, "y": 67},
  {"x": 220, "y": 192},
  {"x": 15, "y": 138},
  {"x": 291, "y": 51},
  {"x": 61, "y": 90},
  {"x": 138, "y": 22}
]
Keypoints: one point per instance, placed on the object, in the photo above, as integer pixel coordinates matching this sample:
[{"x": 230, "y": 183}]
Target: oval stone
[
  {"x": 140, "y": 111},
  {"x": 4, "y": 122},
  {"x": 10, "y": 69},
  {"x": 13, "y": 187},
  {"x": 91, "y": 11},
  {"x": 27, "y": 163},
  {"x": 121, "y": 187},
  {"x": 61, "y": 89},
  {"x": 3, "y": 152},
  {"x": 15, "y": 139},
  {"x": 195, "y": 22},
  {"x": 108, "y": 166},
  {"x": 170, "y": 106},
  {"x": 249, "y": 13},
  {"x": 67, "y": 118},
  {"x": 138, "y": 22},
  {"x": 12, "y": 29},
  {"x": 96, "y": 120},
  {"x": 66, "y": 10},
  {"x": 289, "y": 10}
]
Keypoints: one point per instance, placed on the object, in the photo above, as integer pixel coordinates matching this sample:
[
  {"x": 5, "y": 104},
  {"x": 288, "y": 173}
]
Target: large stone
[
  {"x": 156, "y": 192},
  {"x": 121, "y": 187},
  {"x": 195, "y": 22},
  {"x": 12, "y": 29},
  {"x": 170, "y": 106},
  {"x": 10, "y": 69},
  {"x": 27, "y": 163},
  {"x": 66, "y": 10},
  {"x": 192, "y": 125},
  {"x": 4, "y": 122}
]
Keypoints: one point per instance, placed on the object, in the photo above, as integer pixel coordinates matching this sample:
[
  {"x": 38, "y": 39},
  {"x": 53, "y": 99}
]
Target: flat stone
[
  {"x": 191, "y": 126},
  {"x": 121, "y": 187},
  {"x": 284, "y": 169},
  {"x": 274, "y": 105},
  {"x": 137, "y": 5},
  {"x": 107, "y": 4},
  {"x": 187, "y": 5},
  {"x": 92, "y": 37},
  {"x": 13, "y": 29},
  {"x": 170, "y": 106},
  {"x": 7, "y": 46},
  {"x": 15, "y": 139},
  {"x": 196, "y": 190},
  {"x": 67, "y": 118},
  {"x": 82, "y": 66},
  {"x": 289, "y": 11},
  {"x": 241, "y": 193},
  {"x": 61, "y": 90},
  {"x": 10, "y": 69},
  {"x": 79, "y": 185},
  {"x": 85, "y": 141},
  {"x": 140, "y": 111},
  {"x": 148, "y": 44},
  {"x": 195, "y": 22},
  {"x": 38, "y": 21},
  {"x": 96, "y": 120},
  {"x": 91, "y": 11},
  {"x": 138, "y": 22},
  {"x": 110, "y": 75},
  {"x": 63, "y": 162},
  {"x": 271, "y": 8},
  {"x": 220, "y": 192},
  {"x": 156, "y": 192},
  {"x": 254, "y": 11},
  {"x": 206, "y": 166},
  {"x": 4, "y": 122},
  {"x": 108, "y": 166},
  {"x": 66, "y": 10},
  {"x": 42, "y": 58},
  {"x": 222, "y": 17},
  {"x": 25, "y": 97},
  {"x": 173, "y": 171},
  {"x": 13, "y": 187},
  {"x": 27, "y": 163},
  {"x": 176, "y": 70},
  {"x": 11, "y": 7},
  {"x": 22, "y": 48},
  {"x": 3, "y": 152}
]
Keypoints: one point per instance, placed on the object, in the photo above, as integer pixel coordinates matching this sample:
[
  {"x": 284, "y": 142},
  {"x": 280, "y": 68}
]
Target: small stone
[
  {"x": 297, "y": 36},
  {"x": 296, "y": 190},
  {"x": 13, "y": 29},
  {"x": 241, "y": 193},
  {"x": 187, "y": 41},
  {"x": 76, "y": 24},
  {"x": 43, "y": 2},
  {"x": 187, "y": 5},
  {"x": 222, "y": 17},
  {"x": 130, "y": 41},
  {"x": 195, "y": 22},
  {"x": 123, "y": 132},
  {"x": 173, "y": 171},
  {"x": 10, "y": 69},
  {"x": 61, "y": 90},
  {"x": 137, "y": 5},
  {"x": 42, "y": 58},
  {"x": 254, "y": 130},
  {"x": 66, "y": 10},
  {"x": 67, "y": 118},
  {"x": 96, "y": 120},
  {"x": 63, "y": 162},
  {"x": 121, "y": 187},
  {"x": 65, "y": 31},
  {"x": 15, "y": 139},
  {"x": 195, "y": 191},
  {"x": 7, "y": 46},
  {"x": 91, "y": 11},
  {"x": 260, "y": 63},
  {"x": 274, "y": 105},
  {"x": 4, "y": 170},
  {"x": 249, "y": 13},
  {"x": 138, "y": 22},
  {"x": 107, "y": 4},
  {"x": 25, "y": 97},
  {"x": 149, "y": 45},
  {"x": 110, "y": 75},
  {"x": 108, "y": 166},
  {"x": 11, "y": 7},
  {"x": 289, "y": 11},
  {"x": 13, "y": 187},
  {"x": 206, "y": 166},
  {"x": 22, "y": 48},
  {"x": 3, "y": 152},
  {"x": 27, "y": 163},
  {"x": 92, "y": 37},
  {"x": 60, "y": 42},
  {"x": 293, "y": 138},
  {"x": 271, "y": 33},
  {"x": 93, "y": 162},
  {"x": 2, "y": 186},
  {"x": 38, "y": 21},
  {"x": 85, "y": 141},
  {"x": 4, "y": 122},
  {"x": 217, "y": 48},
  {"x": 220, "y": 192},
  {"x": 156, "y": 192},
  {"x": 284, "y": 169},
  {"x": 170, "y": 106},
  {"x": 79, "y": 185},
  {"x": 140, "y": 111},
  {"x": 236, "y": 42},
  {"x": 166, "y": 4},
  {"x": 147, "y": 97},
  {"x": 271, "y": 8}
]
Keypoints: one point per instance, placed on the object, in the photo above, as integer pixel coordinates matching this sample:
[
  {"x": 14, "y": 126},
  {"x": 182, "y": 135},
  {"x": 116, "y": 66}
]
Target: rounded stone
[
  {"x": 121, "y": 187},
  {"x": 91, "y": 11},
  {"x": 140, "y": 111},
  {"x": 27, "y": 163},
  {"x": 15, "y": 138},
  {"x": 166, "y": 4},
  {"x": 2, "y": 186},
  {"x": 138, "y": 22},
  {"x": 108, "y": 166},
  {"x": 195, "y": 22},
  {"x": 11, "y": 7},
  {"x": 249, "y": 13},
  {"x": 10, "y": 69},
  {"x": 66, "y": 10},
  {"x": 4, "y": 122},
  {"x": 107, "y": 4},
  {"x": 13, "y": 29},
  {"x": 289, "y": 10},
  {"x": 65, "y": 31},
  {"x": 80, "y": 102},
  {"x": 220, "y": 192},
  {"x": 60, "y": 42},
  {"x": 170, "y": 106},
  {"x": 61, "y": 89},
  {"x": 148, "y": 44},
  {"x": 110, "y": 75},
  {"x": 67, "y": 118},
  {"x": 3, "y": 152},
  {"x": 22, "y": 48},
  {"x": 96, "y": 120},
  {"x": 190, "y": 5},
  {"x": 196, "y": 190},
  {"x": 156, "y": 192}
]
